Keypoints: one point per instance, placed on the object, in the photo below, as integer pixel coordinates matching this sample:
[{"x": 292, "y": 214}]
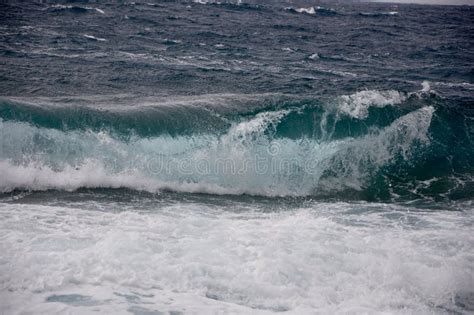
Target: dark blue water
[
  {"x": 320, "y": 84},
  {"x": 183, "y": 48},
  {"x": 233, "y": 156}
]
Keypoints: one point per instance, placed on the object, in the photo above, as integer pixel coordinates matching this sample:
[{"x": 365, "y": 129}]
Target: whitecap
[
  {"x": 357, "y": 105},
  {"x": 464, "y": 85},
  {"x": 309, "y": 10},
  {"x": 95, "y": 38},
  {"x": 99, "y": 10},
  {"x": 68, "y": 7}
]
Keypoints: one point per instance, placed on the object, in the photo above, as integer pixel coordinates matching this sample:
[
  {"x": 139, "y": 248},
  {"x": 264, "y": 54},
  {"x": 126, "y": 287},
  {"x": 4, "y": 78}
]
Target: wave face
[{"x": 380, "y": 145}]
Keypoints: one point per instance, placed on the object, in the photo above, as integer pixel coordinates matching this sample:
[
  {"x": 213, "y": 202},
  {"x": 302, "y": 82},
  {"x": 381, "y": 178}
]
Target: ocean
[{"x": 236, "y": 157}]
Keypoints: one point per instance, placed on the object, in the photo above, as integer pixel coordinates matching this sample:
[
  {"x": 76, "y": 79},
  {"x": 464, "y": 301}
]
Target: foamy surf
[{"x": 320, "y": 257}]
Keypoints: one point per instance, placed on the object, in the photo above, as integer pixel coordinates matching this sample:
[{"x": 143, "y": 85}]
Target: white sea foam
[
  {"x": 464, "y": 85},
  {"x": 207, "y": 2},
  {"x": 196, "y": 258},
  {"x": 358, "y": 104},
  {"x": 258, "y": 125},
  {"x": 425, "y": 87},
  {"x": 309, "y": 10},
  {"x": 95, "y": 38},
  {"x": 60, "y": 6}
]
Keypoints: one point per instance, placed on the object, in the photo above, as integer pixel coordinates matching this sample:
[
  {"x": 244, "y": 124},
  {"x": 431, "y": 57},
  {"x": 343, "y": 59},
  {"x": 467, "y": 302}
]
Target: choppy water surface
[{"x": 247, "y": 157}]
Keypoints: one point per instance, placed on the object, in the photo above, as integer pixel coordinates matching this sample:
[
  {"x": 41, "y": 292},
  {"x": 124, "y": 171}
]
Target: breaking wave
[
  {"x": 368, "y": 145},
  {"x": 313, "y": 10},
  {"x": 74, "y": 9}
]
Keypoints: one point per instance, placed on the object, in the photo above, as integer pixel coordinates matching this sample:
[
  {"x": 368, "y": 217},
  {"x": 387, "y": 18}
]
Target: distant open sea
[{"x": 204, "y": 157}]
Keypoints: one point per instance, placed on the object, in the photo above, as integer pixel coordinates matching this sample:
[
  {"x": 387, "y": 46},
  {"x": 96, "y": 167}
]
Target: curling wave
[{"x": 368, "y": 145}]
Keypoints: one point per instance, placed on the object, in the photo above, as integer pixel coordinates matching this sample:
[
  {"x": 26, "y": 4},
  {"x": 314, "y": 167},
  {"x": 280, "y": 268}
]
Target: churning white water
[{"x": 218, "y": 257}]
